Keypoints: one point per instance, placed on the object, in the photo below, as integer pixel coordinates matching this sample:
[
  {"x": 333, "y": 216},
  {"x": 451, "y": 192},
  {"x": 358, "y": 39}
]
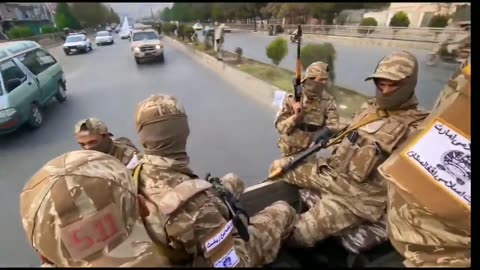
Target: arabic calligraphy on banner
[
  {"x": 219, "y": 237},
  {"x": 444, "y": 154}
]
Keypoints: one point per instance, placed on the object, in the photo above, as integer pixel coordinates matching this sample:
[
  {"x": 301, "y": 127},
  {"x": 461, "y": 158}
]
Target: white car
[
  {"x": 104, "y": 37},
  {"x": 197, "y": 26},
  {"x": 77, "y": 43},
  {"x": 146, "y": 45}
]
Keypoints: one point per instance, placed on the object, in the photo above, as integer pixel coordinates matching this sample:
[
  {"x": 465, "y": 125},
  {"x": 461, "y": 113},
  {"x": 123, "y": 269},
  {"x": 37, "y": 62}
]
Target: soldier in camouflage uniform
[
  {"x": 299, "y": 123},
  {"x": 186, "y": 213},
  {"x": 424, "y": 238},
  {"x": 351, "y": 191},
  {"x": 93, "y": 134},
  {"x": 457, "y": 82},
  {"x": 81, "y": 210}
]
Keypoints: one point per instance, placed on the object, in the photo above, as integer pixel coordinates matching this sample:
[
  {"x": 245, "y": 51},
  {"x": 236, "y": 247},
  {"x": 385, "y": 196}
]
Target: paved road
[
  {"x": 352, "y": 65},
  {"x": 229, "y": 132}
]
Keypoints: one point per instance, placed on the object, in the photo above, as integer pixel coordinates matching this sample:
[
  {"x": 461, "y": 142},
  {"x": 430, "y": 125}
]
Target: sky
[{"x": 137, "y": 10}]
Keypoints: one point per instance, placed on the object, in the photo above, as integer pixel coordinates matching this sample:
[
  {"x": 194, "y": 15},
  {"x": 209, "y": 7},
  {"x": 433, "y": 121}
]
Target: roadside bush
[
  {"x": 438, "y": 20},
  {"x": 369, "y": 21},
  {"x": 208, "y": 41},
  {"x": 239, "y": 53},
  {"x": 20, "y": 32},
  {"x": 188, "y": 32},
  {"x": 49, "y": 29},
  {"x": 400, "y": 19},
  {"x": 277, "y": 50},
  {"x": 181, "y": 31},
  {"x": 324, "y": 52},
  {"x": 169, "y": 28},
  {"x": 279, "y": 29}
]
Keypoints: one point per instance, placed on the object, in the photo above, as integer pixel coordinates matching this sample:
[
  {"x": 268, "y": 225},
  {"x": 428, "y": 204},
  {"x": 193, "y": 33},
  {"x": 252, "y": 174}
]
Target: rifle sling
[{"x": 372, "y": 117}]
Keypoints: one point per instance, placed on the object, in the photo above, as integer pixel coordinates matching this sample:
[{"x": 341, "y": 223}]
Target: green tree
[
  {"x": 369, "y": 21},
  {"x": 297, "y": 12},
  {"x": 277, "y": 50},
  {"x": 91, "y": 14},
  {"x": 324, "y": 52},
  {"x": 217, "y": 11},
  {"x": 202, "y": 11},
  {"x": 400, "y": 19},
  {"x": 64, "y": 17},
  {"x": 439, "y": 21},
  {"x": 113, "y": 16},
  {"x": 166, "y": 14}
]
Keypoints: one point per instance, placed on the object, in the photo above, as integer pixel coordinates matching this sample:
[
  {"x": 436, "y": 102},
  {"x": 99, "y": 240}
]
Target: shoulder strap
[
  {"x": 175, "y": 256},
  {"x": 372, "y": 117},
  {"x": 136, "y": 174}
]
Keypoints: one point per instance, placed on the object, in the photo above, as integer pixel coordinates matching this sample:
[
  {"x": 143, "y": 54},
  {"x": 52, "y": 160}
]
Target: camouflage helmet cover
[
  {"x": 81, "y": 209},
  {"x": 92, "y": 126},
  {"x": 317, "y": 70},
  {"x": 155, "y": 107},
  {"x": 395, "y": 66}
]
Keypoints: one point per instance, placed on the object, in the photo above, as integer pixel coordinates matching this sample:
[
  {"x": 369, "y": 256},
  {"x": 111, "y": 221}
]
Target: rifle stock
[
  {"x": 239, "y": 216},
  {"x": 303, "y": 155}
]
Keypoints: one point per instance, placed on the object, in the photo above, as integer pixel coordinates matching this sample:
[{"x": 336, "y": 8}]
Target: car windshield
[
  {"x": 144, "y": 36},
  {"x": 74, "y": 38},
  {"x": 102, "y": 34}
]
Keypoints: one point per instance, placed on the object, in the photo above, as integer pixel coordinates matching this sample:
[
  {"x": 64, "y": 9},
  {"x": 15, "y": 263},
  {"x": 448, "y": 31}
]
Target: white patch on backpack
[
  {"x": 219, "y": 237},
  {"x": 230, "y": 260},
  {"x": 133, "y": 162}
]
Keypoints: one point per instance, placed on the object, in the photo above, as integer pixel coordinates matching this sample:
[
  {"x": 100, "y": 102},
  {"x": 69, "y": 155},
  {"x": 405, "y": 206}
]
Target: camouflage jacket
[
  {"x": 124, "y": 150},
  {"x": 295, "y": 137},
  {"x": 424, "y": 239},
  {"x": 350, "y": 171},
  {"x": 188, "y": 216},
  {"x": 453, "y": 85}
]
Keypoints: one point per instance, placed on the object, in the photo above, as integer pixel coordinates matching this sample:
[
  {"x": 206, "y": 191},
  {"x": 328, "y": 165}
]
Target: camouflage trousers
[
  {"x": 267, "y": 229},
  {"x": 326, "y": 217}
]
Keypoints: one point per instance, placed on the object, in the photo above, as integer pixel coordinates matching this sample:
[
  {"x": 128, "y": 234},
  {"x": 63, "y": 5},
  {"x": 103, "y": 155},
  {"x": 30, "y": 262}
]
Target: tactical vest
[
  {"x": 124, "y": 149},
  {"x": 366, "y": 147},
  {"x": 170, "y": 202},
  {"x": 304, "y": 133}
]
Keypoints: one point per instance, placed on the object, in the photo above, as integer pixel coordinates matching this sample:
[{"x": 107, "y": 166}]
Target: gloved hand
[{"x": 234, "y": 184}]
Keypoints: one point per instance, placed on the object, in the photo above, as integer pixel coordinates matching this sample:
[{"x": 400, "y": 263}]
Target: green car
[{"x": 30, "y": 77}]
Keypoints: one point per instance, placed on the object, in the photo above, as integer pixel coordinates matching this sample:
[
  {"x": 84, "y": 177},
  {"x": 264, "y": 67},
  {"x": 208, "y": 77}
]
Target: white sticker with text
[
  {"x": 278, "y": 98},
  {"x": 445, "y": 155},
  {"x": 228, "y": 261},
  {"x": 219, "y": 237}
]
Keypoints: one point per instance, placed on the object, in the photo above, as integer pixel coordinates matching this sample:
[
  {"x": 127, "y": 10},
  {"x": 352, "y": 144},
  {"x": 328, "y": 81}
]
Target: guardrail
[{"x": 423, "y": 34}]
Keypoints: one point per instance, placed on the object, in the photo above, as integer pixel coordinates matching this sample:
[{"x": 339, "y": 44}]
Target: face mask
[
  {"x": 313, "y": 89},
  {"x": 394, "y": 100}
]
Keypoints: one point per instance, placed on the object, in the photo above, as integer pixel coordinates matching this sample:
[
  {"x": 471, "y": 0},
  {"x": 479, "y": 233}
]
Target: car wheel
[
  {"x": 36, "y": 116},
  {"x": 161, "y": 58},
  {"x": 67, "y": 53},
  {"x": 98, "y": 44},
  {"x": 137, "y": 60},
  {"x": 61, "y": 95},
  {"x": 112, "y": 42},
  {"x": 90, "y": 48}
]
